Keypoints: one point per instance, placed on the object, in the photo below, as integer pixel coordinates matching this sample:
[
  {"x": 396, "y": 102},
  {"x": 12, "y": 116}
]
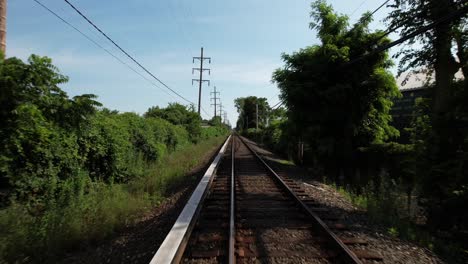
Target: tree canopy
[
  {"x": 338, "y": 106},
  {"x": 179, "y": 114},
  {"x": 247, "y": 109}
]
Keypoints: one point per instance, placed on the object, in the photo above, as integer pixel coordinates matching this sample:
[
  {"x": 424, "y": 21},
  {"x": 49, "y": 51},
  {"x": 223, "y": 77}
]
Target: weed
[
  {"x": 40, "y": 234},
  {"x": 383, "y": 207}
]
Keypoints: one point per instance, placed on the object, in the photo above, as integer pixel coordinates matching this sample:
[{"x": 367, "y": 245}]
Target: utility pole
[
  {"x": 215, "y": 98},
  {"x": 220, "y": 109},
  {"x": 200, "y": 80},
  {"x": 256, "y": 107},
  {"x": 3, "y": 11},
  {"x": 225, "y": 118}
]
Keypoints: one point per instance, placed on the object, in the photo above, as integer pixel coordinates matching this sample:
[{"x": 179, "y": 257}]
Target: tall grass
[
  {"x": 384, "y": 205},
  {"x": 89, "y": 211}
]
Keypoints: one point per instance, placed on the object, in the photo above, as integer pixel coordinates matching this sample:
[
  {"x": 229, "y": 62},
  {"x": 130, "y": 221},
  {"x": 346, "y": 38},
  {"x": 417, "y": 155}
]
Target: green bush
[
  {"x": 75, "y": 172},
  {"x": 86, "y": 210},
  {"x": 213, "y": 131}
]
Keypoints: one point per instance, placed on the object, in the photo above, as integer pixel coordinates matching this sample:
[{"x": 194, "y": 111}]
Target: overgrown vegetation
[
  {"x": 336, "y": 118},
  {"x": 72, "y": 171},
  {"x": 386, "y": 206}
]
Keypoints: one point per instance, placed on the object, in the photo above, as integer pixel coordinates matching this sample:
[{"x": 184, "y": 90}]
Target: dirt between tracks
[
  {"x": 137, "y": 243},
  {"x": 393, "y": 250}
]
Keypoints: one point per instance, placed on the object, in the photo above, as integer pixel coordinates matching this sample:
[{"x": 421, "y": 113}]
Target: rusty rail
[{"x": 344, "y": 252}]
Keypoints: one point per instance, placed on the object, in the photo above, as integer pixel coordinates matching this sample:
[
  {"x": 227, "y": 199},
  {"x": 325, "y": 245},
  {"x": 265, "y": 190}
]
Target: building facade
[{"x": 403, "y": 110}]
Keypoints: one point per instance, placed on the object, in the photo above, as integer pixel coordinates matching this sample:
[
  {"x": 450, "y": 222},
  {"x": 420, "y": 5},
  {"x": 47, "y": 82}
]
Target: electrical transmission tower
[
  {"x": 215, "y": 98},
  {"x": 225, "y": 117},
  {"x": 256, "y": 113},
  {"x": 220, "y": 109},
  {"x": 3, "y": 10},
  {"x": 200, "y": 80}
]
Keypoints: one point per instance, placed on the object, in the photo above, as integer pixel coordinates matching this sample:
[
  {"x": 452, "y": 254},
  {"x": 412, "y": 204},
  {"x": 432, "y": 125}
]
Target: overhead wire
[
  {"x": 458, "y": 13},
  {"x": 446, "y": 18},
  {"x": 378, "y": 8},
  {"x": 126, "y": 53},
  {"x": 275, "y": 105},
  {"x": 415, "y": 33},
  {"x": 278, "y": 105},
  {"x": 183, "y": 33},
  {"x": 204, "y": 111},
  {"x": 99, "y": 45},
  {"x": 357, "y": 8},
  {"x": 85, "y": 26}
]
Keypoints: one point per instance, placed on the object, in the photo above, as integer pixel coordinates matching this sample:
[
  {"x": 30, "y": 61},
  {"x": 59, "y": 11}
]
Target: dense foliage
[
  {"x": 66, "y": 162},
  {"x": 335, "y": 104},
  {"x": 440, "y": 135},
  {"x": 337, "y": 109},
  {"x": 247, "y": 109},
  {"x": 178, "y": 114}
]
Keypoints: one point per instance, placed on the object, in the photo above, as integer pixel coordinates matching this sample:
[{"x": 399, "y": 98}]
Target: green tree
[
  {"x": 440, "y": 137},
  {"x": 333, "y": 106},
  {"x": 215, "y": 121},
  {"x": 39, "y": 146},
  {"x": 247, "y": 109},
  {"x": 438, "y": 44},
  {"x": 179, "y": 114}
]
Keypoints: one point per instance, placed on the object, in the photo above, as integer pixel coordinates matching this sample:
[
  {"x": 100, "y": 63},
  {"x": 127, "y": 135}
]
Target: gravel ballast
[
  {"x": 393, "y": 250},
  {"x": 138, "y": 243}
]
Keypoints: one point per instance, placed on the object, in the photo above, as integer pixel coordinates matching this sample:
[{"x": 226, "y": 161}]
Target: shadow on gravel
[{"x": 354, "y": 223}]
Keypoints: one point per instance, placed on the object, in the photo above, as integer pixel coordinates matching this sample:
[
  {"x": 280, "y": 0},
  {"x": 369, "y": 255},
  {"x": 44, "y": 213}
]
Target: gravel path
[{"x": 392, "y": 249}]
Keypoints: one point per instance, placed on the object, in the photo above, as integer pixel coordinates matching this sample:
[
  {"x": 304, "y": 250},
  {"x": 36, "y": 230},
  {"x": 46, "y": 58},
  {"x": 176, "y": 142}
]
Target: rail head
[
  {"x": 173, "y": 246},
  {"x": 232, "y": 228},
  {"x": 346, "y": 254}
]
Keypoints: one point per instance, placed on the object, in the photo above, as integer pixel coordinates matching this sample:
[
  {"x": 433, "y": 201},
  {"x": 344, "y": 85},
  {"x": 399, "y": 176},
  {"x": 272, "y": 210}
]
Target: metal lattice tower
[{"x": 200, "y": 80}]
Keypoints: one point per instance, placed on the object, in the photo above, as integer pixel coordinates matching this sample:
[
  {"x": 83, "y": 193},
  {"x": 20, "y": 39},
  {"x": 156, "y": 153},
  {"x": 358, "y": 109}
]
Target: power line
[
  {"x": 357, "y": 8},
  {"x": 451, "y": 16},
  {"x": 278, "y": 105},
  {"x": 447, "y": 18},
  {"x": 415, "y": 33},
  {"x": 99, "y": 45},
  {"x": 373, "y": 12},
  {"x": 392, "y": 30},
  {"x": 206, "y": 113},
  {"x": 126, "y": 53},
  {"x": 378, "y": 8}
]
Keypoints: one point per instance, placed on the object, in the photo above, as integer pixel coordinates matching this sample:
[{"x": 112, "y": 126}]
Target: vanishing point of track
[{"x": 250, "y": 214}]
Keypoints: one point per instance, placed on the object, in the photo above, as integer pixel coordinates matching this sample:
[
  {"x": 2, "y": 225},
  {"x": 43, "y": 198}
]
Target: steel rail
[
  {"x": 344, "y": 252},
  {"x": 173, "y": 246},
  {"x": 232, "y": 230}
]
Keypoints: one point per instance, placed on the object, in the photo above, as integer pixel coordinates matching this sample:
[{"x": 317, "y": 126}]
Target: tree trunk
[
  {"x": 445, "y": 65},
  {"x": 445, "y": 68}
]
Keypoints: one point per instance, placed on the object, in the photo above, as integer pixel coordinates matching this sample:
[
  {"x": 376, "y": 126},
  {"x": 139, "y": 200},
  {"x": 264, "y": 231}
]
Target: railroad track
[{"x": 249, "y": 214}]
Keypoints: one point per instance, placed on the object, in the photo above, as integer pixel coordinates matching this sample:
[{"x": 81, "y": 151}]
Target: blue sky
[{"x": 245, "y": 40}]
